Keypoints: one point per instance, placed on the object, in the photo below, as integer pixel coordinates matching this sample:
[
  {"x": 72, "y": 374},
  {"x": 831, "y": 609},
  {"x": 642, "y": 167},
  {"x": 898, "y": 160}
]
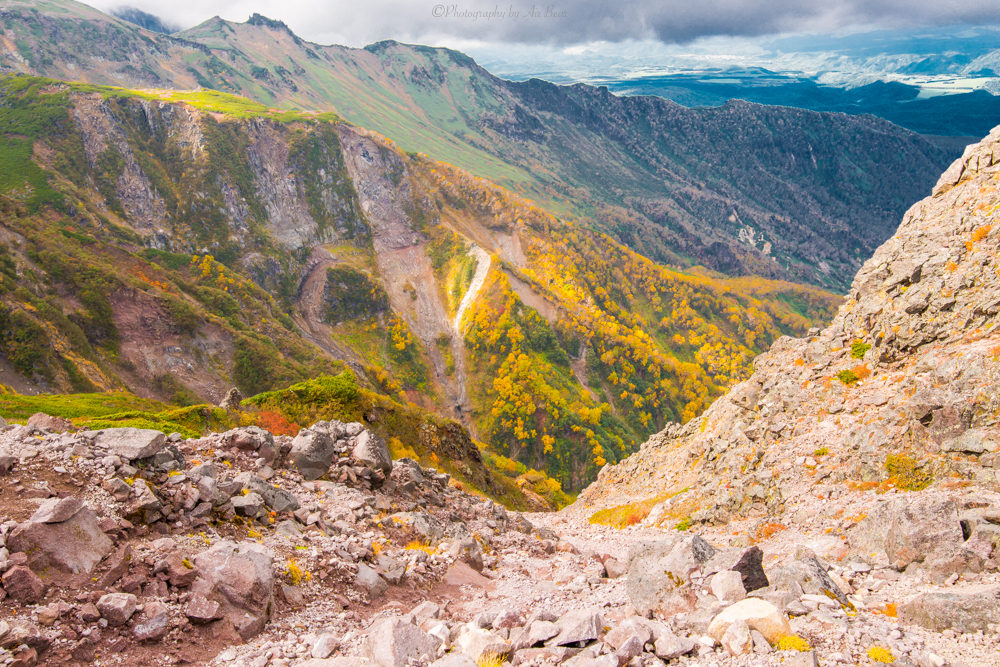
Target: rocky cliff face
[{"x": 898, "y": 392}]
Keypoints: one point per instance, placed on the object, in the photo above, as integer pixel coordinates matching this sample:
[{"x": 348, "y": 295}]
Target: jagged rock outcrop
[{"x": 900, "y": 381}]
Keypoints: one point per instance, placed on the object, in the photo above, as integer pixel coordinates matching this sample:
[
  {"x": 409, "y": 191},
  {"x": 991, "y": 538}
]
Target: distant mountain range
[
  {"x": 938, "y": 81},
  {"x": 741, "y": 189}
]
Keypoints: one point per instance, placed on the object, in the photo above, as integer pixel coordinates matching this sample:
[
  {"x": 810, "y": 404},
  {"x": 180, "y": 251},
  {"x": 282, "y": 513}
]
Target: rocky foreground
[{"x": 126, "y": 546}]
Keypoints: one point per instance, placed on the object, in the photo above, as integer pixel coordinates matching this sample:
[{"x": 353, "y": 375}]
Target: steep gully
[{"x": 406, "y": 271}]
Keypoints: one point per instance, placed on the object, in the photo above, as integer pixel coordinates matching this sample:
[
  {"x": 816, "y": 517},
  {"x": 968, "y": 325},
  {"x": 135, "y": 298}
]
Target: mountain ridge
[{"x": 647, "y": 187}]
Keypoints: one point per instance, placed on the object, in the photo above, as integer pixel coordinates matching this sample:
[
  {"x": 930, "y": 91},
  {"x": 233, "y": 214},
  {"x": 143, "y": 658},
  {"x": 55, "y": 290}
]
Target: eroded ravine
[
  {"x": 401, "y": 256},
  {"x": 482, "y": 268}
]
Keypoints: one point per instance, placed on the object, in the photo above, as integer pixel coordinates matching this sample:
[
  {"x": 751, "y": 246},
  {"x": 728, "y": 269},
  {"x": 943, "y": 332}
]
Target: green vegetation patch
[
  {"x": 16, "y": 407},
  {"x": 905, "y": 473},
  {"x": 848, "y": 377},
  {"x": 859, "y": 348},
  {"x": 352, "y": 294}
]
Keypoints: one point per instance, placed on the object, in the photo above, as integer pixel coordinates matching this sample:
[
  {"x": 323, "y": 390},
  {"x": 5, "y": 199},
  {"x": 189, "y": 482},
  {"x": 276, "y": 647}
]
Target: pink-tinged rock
[
  {"x": 23, "y": 585},
  {"x": 178, "y": 573},
  {"x": 201, "y": 610},
  {"x": 118, "y": 569},
  {"x": 50, "y": 423},
  {"x": 630, "y": 627},
  {"x": 391, "y": 642},
  {"x": 239, "y": 577},
  {"x": 56, "y": 510},
  {"x": 73, "y": 546},
  {"x": 154, "y": 624},
  {"x": 89, "y": 613},
  {"x": 117, "y": 608}
]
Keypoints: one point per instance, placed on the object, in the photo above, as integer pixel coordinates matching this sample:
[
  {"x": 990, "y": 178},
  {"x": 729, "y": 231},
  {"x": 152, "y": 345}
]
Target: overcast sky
[{"x": 457, "y": 22}]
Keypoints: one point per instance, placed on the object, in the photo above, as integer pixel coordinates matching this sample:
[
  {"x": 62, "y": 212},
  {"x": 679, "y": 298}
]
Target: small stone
[
  {"x": 154, "y": 625},
  {"x": 391, "y": 642},
  {"x": 728, "y": 586},
  {"x": 669, "y": 646},
  {"x": 737, "y": 639},
  {"x": 201, "y": 610},
  {"x": 117, "y": 608},
  {"x": 369, "y": 579},
  {"x": 249, "y": 505},
  {"x": 23, "y": 585},
  {"x": 324, "y": 645},
  {"x": 758, "y": 614},
  {"x": 581, "y": 625},
  {"x": 89, "y": 613}
]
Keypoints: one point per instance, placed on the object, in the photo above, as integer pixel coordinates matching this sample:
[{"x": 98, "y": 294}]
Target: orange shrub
[
  {"x": 766, "y": 531},
  {"x": 862, "y": 371},
  {"x": 276, "y": 423}
]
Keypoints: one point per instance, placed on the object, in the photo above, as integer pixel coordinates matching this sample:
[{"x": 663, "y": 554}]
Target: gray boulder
[
  {"x": 250, "y": 438},
  {"x": 131, "y": 443},
  {"x": 538, "y": 632},
  {"x": 922, "y": 528},
  {"x": 240, "y": 578},
  {"x": 580, "y": 625},
  {"x": 372, "y": 450},
  {"x": 7, "y": 458},
  {"x": 312, "y": 453},
  {"x": 146, "y": 504},
  {"x": 808, "y": 572},
  {"x": 669, "y": 646},
  {"x": 391, "y": 642},
  {"x": 630, "y": 627},
  {"x": 973, "y": 441},
  {"x": 277, "y": 499},
  {"x": 422, "y": 522},
  {"x": 964, "y": 611},
  {"x": 370, "y": 580},
  {"x": 248, "y": 505},
  {"x": 56, "y": 510},
  {"x": 72, "y": 546},
  {"x": 659, "y": 573}
]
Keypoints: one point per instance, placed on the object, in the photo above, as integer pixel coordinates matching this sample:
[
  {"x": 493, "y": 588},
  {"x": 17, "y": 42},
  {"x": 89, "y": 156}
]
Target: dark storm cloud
[{"x": 571, "y": 22}]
